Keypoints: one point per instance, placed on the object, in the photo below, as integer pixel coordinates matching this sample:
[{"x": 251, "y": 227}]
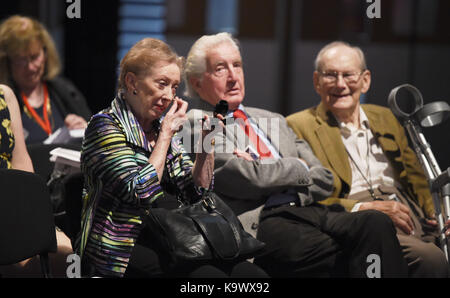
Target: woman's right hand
[
  {"x": 175, "y": 117},
  {"x": 172, "y": 122}
]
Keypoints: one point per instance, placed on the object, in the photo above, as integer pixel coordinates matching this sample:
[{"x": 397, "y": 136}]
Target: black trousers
[{"x": 317, "y": 241}]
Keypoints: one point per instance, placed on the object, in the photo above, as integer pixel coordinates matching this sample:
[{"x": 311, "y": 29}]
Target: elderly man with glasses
[
  {"x": 367, "y": 151},
  {"x": 274, "y": 186}
]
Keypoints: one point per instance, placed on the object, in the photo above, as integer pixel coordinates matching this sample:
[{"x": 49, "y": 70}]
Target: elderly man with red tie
[{"x": 273, "y": 181}]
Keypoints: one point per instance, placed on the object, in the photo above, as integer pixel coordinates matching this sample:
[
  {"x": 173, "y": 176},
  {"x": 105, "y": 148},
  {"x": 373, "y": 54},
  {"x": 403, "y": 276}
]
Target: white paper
[
  {"x": 66, "y": 156},
  {"x": 63, "y": 136}
]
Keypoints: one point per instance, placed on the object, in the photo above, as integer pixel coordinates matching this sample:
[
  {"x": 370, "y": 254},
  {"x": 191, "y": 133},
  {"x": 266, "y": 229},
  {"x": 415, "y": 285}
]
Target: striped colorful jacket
[{"x": 120, "y": 185}]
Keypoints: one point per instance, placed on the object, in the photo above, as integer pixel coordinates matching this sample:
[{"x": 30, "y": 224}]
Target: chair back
[
  {"x": 26, "y": 217},
  {"x": 73, "y": 190}
]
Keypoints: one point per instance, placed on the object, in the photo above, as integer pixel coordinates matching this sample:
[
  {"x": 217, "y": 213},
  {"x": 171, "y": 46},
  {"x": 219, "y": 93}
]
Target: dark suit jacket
[{"x": 320, "y": 129}]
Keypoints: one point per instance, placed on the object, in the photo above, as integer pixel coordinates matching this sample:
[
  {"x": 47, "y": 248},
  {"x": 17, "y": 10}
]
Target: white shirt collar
[{"x": 348, "y": 129}]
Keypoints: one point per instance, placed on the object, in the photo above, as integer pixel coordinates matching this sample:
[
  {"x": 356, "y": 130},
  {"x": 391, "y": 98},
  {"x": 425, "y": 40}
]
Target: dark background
[{"x": 410, "y": 43}]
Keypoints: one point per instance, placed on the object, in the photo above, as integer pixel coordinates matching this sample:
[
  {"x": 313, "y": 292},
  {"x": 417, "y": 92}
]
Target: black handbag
[{"x": 207, "y": 230}]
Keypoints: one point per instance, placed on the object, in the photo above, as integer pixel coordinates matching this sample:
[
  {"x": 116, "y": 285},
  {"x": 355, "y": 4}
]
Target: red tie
[{"x": 262, "y": 149}]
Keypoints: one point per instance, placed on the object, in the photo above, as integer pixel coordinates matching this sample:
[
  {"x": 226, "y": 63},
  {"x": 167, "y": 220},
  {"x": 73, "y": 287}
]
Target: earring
[{"x": 134, "y": 91}]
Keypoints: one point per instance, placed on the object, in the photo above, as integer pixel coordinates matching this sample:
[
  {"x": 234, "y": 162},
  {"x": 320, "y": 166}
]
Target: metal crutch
[{"x": 439, "y": 182}]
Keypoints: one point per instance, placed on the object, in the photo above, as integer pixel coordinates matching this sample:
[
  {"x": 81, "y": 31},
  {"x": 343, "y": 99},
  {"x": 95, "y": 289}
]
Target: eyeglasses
[{"x": 349, "y": 77}]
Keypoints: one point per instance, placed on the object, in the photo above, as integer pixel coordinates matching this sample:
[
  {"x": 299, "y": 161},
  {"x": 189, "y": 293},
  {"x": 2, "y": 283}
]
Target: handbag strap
[{"x": 204, "y": 198}]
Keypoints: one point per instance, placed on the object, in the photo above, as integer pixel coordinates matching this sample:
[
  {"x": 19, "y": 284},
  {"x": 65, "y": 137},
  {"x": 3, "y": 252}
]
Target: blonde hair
[
  {"x": 141, "y": 58},
  {"x": 196, "y": 59},
  {"x": 335, "y": 44},
  {"x": 16, "y": 35}
]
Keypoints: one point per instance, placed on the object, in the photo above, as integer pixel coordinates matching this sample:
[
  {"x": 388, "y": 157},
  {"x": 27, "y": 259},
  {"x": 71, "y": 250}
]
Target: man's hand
[
  {"x": 398, "y": 212},
  {"x": 447, "y": 228},
  {"x": 433, "y": 222}
]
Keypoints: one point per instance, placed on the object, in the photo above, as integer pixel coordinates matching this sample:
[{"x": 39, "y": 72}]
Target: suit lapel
[
  {"x": 264, "y": 124},
  {"x": 375, "y": 122},
  {"x": 378, "y": 128},
  {"x": 330, "y": 139}
]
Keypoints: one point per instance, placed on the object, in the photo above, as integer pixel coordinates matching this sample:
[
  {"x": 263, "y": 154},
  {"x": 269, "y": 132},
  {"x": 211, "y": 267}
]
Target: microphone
[{"x": 222, "y": 109}]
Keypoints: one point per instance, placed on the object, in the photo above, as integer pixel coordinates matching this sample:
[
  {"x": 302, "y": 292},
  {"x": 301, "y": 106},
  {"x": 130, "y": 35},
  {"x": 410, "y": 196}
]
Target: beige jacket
[{"x": 319, "y": 128}]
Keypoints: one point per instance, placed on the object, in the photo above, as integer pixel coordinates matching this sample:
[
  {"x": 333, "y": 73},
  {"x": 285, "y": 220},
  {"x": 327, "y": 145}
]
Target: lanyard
[
  {"x": 43, "y": 123},
  {"x": 368, "y": 179}
]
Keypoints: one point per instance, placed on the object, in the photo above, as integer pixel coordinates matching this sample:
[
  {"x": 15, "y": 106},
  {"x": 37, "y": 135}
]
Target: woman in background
[
  {"x": 30, "y": 65},
  {"x": 14, "y": 155}
]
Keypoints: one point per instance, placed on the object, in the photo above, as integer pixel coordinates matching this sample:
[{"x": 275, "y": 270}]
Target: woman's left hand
[
  {"x": 73, "y": 121},
  {"x": 203, "y": 169},
  {"x": 207, "y": 128}
]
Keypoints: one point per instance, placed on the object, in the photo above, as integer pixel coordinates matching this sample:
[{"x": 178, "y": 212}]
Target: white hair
[
  {"x": 196, "y": 60},
  {"x": 318, "y": 62}
]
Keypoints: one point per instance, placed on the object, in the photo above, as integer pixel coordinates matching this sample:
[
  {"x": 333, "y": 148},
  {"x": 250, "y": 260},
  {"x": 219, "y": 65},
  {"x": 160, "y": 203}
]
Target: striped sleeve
[{"x": 107, "y": 156}]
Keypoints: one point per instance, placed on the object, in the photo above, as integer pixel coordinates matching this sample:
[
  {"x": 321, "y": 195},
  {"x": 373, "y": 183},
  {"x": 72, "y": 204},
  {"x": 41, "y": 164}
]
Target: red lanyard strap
[{"x": 43, "y": 123}]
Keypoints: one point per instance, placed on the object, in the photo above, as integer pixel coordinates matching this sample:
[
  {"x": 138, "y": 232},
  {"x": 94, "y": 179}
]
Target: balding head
[
  {"x": 340, "y": 78},
  {"x": 331, "y": 48}
]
